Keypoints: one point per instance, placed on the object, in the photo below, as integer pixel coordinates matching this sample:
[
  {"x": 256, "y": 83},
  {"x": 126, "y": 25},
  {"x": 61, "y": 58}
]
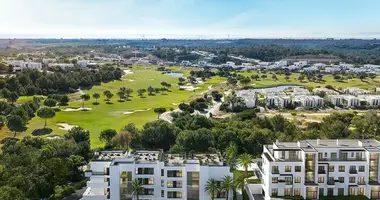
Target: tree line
[{"x": 32, "y": 82}]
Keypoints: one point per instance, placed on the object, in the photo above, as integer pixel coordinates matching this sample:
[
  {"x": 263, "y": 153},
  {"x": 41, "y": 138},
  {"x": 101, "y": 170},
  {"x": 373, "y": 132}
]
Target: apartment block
[
  {"x": 317, "y": 168},
  {"x": 163, "y": 176}
]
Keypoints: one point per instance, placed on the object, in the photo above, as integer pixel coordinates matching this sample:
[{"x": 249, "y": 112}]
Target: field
[
  {"x": 111, "y": 116},
  {"x": 329, "y": 80}
]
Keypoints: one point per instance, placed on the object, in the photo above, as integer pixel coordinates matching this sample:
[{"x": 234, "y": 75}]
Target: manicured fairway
[
  {"x": 268, "y": 82},
  {"x": 106, "y": 116}
]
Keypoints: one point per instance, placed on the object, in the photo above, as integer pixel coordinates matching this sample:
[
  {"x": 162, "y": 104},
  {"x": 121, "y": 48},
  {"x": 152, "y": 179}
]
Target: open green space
[
  {"x": 111, "y": 116},
  {"x": 329, "y": 80}
]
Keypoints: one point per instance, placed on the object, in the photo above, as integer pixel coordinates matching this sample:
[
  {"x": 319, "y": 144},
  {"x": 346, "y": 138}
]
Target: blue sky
[{"x": 190, "y": 18}]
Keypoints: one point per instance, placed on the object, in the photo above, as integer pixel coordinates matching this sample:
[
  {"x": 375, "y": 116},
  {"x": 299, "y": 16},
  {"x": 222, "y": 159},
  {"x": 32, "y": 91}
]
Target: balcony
[
  {"x": 361, "y": 183},
  {"x": 353, "y": 172},
  {"x": 342, "y": 159},
  {"x": 91, "y": 194},
  {"x": 97, "y": 184},
  {"x": 275, "y": 172}
]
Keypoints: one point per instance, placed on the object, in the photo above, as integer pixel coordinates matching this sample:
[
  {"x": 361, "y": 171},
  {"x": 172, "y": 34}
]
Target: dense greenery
[
  {"x": 31, "y": 82},
  {"x": 37, "y": 168}
]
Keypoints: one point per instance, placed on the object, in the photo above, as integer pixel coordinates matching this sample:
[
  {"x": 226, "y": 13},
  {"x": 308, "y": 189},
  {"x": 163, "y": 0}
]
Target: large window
[
  {"x": 342, "y": 168},
  {"x": 297, "y": 179},
  {"x": 297, "y": 191},
  {"x": 147, "y": 191},
  {"x": 340, "y": 191},
  {"x": 333, "y": 156},
  {"x": 360, "y": 191},
  {"x": 341, "y": 179},
  {"x": 330, "y": 191},
  {"x": 331, "y": 168},
  {"x": 144, "y": 170},
  {"x": 352, "y": 180},
  {"x": 287, "y": 191},
  {"x": 361, "y": 180},
  {"x": 321, "y": 179},
  {"x": 288, "y": 168},
  {"x": 274, "y": 179},
  {"x": 274, "y": 192},
  {"x": 174, "y": 173},
  {"x": 275, "y": 170},
  {"x": 174, "y": 195},
  {"x": 174, "y": 184},
  {"x": 361, "y": 168},
  {"x": 288, "y": 180},
  {"x": 298, "y": 168},
  {"x": 146, "y": 181},
  {"x": 321, "y": 192}
]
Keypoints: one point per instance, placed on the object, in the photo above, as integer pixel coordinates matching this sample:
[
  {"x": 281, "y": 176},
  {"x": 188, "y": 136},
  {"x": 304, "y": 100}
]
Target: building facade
[
  {"x": 314, "y": 168},
  {"x": 163, "y": 176}
]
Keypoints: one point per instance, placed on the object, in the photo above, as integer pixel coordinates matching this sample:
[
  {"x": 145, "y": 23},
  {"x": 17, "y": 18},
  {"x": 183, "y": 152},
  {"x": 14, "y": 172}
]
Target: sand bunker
[
  {"x": 127, "y": 71},
  {"x": 131, "y": 112},
  {"x": 77, "y": 109},
  {"x": 66, "y": 126},
  {"x": 53, "y": 137},
  {"x": 189, "y": 88}
]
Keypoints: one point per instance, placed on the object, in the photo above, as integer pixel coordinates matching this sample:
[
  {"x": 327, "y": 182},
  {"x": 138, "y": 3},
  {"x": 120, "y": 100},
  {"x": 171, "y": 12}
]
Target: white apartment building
[
  {"x": 19, "y": 65},
  {"x": 325, "y": 90},
  {"x": 369, "y": 66},
  {"x": 332, "y": 69},
  {"x": 48, "y": 60},
  {"x": 316, "y": 168},
  {"x": 163, "y": 176},
  {"x": 308, "y": 101},
  {"x": 61, "y": 65},
  {"x": 371, "y": 100},
  {"x": 355, "y": 91},
  {"x": 346, "y": 65},
  {"x": 345, "y": 100},
  {"x": 319, "y": 65},
  {"x": 301, "y": 63},
  {"x": 249, "y": 97}
]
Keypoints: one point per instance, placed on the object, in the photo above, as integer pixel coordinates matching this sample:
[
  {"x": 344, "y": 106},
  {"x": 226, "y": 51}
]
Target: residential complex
[
  {"x": 315, "y": 168},
  {"x": 164, "y": 176}
]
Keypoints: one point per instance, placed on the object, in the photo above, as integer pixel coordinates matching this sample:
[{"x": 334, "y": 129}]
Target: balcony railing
[
  {"x": 275, "y": 172},
  {"x": 353, "y": 171},
  {"x": 361, "y": 183},
  {"x": 342, "y": 159}
]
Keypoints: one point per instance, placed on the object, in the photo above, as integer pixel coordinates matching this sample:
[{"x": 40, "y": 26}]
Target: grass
[
  {"x": 329, "y": 80},
  {"x": 110, "y": 116}
]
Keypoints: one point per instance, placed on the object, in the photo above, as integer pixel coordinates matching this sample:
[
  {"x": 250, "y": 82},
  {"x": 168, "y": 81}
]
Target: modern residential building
[
  {"x": 163, "y": 176},
  {"x": 317, "y": 168},
  {"x": 355, "y": 91},
  {"x": 325, "y": 90},
  {"x": 371, "y": 100},
  {"x": 19, "y": 65},
  {"x": 61, "y": 65},
  {"x": 249, "y": 97},
  {"x": 344, "y": 100},
  {"x": 308, "y": 101}
]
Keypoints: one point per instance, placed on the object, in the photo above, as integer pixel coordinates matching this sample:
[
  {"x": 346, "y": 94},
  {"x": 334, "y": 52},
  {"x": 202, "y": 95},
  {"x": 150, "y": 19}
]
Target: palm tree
[
  {"x": 137, "y": 188},
  {"x": 212, "y": 188},
  {"x": 227, "y": 185},
  {"x": 244, "y": 160},
  {"x": 230, "y": 154}
]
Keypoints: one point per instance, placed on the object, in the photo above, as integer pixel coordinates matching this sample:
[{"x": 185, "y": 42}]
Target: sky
[{"x": 201, "y": 19}]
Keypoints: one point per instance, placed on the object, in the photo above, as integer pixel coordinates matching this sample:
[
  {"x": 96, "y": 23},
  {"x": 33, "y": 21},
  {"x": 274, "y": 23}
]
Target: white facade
[
  {"x": 301, "y": 63},
  {"x": 346, "y": 65},
  {"x": 163, "y": 176},
  {"x": 355, "y": 91},
  {"x": 309, "y": 101},
  {"x": 185, "y": 63},
  {"x": 372, "y": 100},
  {"x": 249, "y": 97},
  {"x": 61, "y": 65},
  {"x": 368, "y": 66},
  {"x": 315, "y": 168},
  {"x": 332, "y": 69},
  {"x": 19, "y": 65}
]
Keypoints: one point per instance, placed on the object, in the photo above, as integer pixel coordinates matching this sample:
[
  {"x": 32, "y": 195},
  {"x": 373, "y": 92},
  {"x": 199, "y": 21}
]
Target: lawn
[
  {"x": 329, "y": 80},
  {"x": 111, "y": 116}
]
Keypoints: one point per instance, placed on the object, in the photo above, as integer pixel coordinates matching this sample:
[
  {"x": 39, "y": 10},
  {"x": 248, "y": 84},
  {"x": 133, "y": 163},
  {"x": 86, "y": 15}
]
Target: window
[
  {"x": 174, "y": 195},
  {"x": 360, "y": 191},
  {"x": 352, "y": 180},
  {"x": 298, "y": 168},
  {"x": 341, "y": 179},
  {"x": 333, "y": 156},
  {"x": 283, "y": 154},
  {"x": 297, "y": 179},
  {"x": 341, "y": 168},
  {"x": 174, "y": 184},
  {"x": 352, "y": 169},
  {"x": 144, "y": 170},
  {"x": 275, "y": 170},
  {"x": 340, "y": 191},
  {"x": 361, "y": 180},
  {"x": 297, "y": 191},
  {"x": 287, "y": 191},
  {"x": 162, "y": 183},
  {"x": 274, "y": 180},
  {"x": 330, "y": 191},
  {"x": 320, "y": 156},
  {"x": 162, "y": 172},
  {"x": 321, "y": 192},
  {"x": 352, "y": 154},
  {"x": 174, "y": 173},
  {"x": 288, "y": 180},
  {"x": 351, "y": 191},
  {"x": 331, "y": 168},
  {"x": 288, "y": 168},
  {"x": 321, "y": 170},
  {"x": 321, "y": 179},
  {"x": 162, "y": 193},
  {"x": 361, "y": 168},
  {"x": 274, "y": 192},
  {"x": 325, "y": 154}
]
